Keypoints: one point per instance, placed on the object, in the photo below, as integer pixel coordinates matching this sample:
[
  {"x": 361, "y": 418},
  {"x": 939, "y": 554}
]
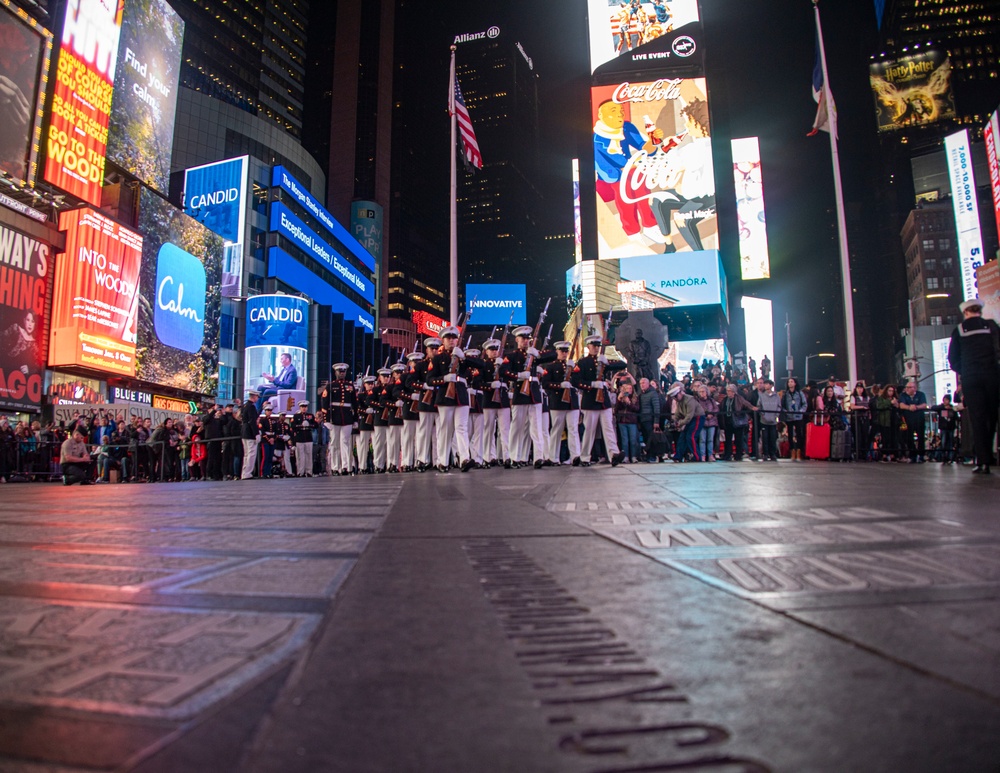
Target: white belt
[
  {"x": 533, "y": 378},
  {"x": 340, "y": 405},
  {"x": 461, "y": 380}
]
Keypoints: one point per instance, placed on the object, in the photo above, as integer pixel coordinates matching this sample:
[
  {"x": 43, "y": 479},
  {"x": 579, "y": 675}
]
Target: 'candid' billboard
[
  {"x": 141, "y": 130},
  {"x": 966, "y": 206},
  {"x": 178, "y": 331},
  {"x": 655, "y": 179},
  {"x": 81, "y": 101},
  {"x": 216, "y": 196},
  {"x": 277, "y": 325},
  {"x": 496, "y": 304},
  {"x": 96, "y": 297}
]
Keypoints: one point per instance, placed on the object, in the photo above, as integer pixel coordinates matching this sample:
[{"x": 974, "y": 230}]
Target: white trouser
[
  {"x": 249, "y": 458},
  {"x": 339, "y": 450},
  {"x": 393, "y": 438},
  {"x": 362, "y": 443},
  {"x": 525, "y": 427},
  {"x": 408, "y": 439},
  {"x": 425, "y": 436},
  {"x": 476, "y": 422},
  {"x": 570, "y": 422},
  {"x": 452, "y": 424},
  {"x": 491, "y": 418},
  {"x": 590, "y": 421},
  {"x": 304, "y": 458},
  {"x": 286, "y": 460},
  {"x": 379, "y": 438}
]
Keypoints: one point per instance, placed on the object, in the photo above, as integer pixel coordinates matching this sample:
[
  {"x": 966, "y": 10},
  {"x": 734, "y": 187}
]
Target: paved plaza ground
[{"x": 733, "y": 618}]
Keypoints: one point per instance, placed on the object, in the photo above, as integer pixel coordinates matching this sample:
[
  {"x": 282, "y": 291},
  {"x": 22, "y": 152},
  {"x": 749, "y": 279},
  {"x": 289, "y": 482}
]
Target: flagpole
[
  {"x": 453, "y": 236},
  {"x": 845, "y": 255}
]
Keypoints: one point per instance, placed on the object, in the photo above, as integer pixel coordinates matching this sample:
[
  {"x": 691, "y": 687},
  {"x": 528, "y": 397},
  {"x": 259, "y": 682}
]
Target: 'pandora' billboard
[{"x": 655, "y": 179}]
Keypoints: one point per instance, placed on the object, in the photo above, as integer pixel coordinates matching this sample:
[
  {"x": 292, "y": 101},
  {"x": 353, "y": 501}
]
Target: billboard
[
  {"x": 81, "y": 101},
  {"x": 577, "y": 219},
  {"x": 966, "y": 206},
  {"x": 427, "y": 324},
  {"x": 632, "y": 29},
  {"x": 216, "y": 196},
  {"x": 655, "y": 181},
  {"x": 759, "y": 328},
  {"x": 912, "y": 91},
  {"x": 755, "y": 262},
  {"x": 25, "y": 268},
  {"x": 288, "y": 224},
  {"x": 178, "y": 326},
  {"x": 494, "y": 304},
  {"x": 945, "y": 379},
  {"x": 991, "y": 138},
  {"x": 276, "y": 325},
  {"x": 280, "y": 178},
  {"x": 25, "y": 49},
  {"x": 988, "y": 282},
  {"x": 366, "y": 225},
  {"x": 141, "y": 130},
  {"x": 96, "y": 296}
]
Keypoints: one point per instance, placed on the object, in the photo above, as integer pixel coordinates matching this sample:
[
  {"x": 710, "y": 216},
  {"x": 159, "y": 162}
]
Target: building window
[
  {"x": 948, "y": 282},
  {"x": 932, "y": 283},
  {"x": 947, "y": 263},
  {"x": 944, "y": 244},
  {"x": 936, "y": 321},
  {"x": 928, "y": 244},
  {"x": 930, "y": 264},
  {"x": 227, "y": 377}
]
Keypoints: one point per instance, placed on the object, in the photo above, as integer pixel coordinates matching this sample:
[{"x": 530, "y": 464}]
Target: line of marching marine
[{"x": 446, "y": 407}]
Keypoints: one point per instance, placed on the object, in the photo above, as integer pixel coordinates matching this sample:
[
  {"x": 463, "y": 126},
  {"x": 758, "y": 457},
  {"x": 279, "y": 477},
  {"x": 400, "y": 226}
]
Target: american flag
[{"x": 469, "y": 143}]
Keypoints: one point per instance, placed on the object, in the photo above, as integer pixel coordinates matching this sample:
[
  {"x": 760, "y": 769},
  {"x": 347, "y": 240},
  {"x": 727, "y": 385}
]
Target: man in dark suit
[{"x": 286, "y": 378}]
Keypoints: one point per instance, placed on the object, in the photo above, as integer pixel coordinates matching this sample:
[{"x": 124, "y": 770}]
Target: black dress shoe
[
  {"x": 507, "y": 464},
  {"x": 539, "y": 463},
  {"x": 466, "y": 465},
  {"x": 442, "y": 468},
  {"x": 584, "y": 464},
  {"x": 617, "y": 459}
]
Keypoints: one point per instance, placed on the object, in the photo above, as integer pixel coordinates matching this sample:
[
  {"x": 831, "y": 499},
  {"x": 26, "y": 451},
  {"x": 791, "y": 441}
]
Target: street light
[{"x": 810, "y": 356}]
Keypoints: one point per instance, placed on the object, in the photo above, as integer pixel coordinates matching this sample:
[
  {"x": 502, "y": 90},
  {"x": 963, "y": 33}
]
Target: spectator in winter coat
[
  {"x": 769, "y": 403},
  {"x": 688, "y": 416},
  {"x": 649, "y": 412},
  {"x": 707, "y": 435}
]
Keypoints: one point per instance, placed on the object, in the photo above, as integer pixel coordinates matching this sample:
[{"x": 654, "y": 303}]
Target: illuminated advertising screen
[
  {"x": 277, "y": 344},
  {"x": 966, "y": 206},
  {"x": 289, "y": 225},
  {"x": 681, "y": 353},
  {"x": 577, "y": 219},
  {"x": 912, "y": 91},
  {"x": 655, "y": 180},
  {"x": 178, "y": 332},
  {"x": 25, "y": 268},
  {"x": 991, "y": 137},
  {"x": 635, "y": 30},
  {"x": 647, "y": 282},
  {"x": 25, "y": 48},
  {"x": 96, "y": 300},
  {"x": 427, "y": 325},
  {"x": 945, "y": 379},
  {"x": 216, "y": 196},
  {"x": 988, "y": 283},
  {"x": 367, "y": 226},
  {"x": 81, "y": 101},
  {"x": 759, "y": 328},
  {"x": 755, "y": 263},
  {"x": 141, "y": 129},
  {"x": 496, "y": 304}
]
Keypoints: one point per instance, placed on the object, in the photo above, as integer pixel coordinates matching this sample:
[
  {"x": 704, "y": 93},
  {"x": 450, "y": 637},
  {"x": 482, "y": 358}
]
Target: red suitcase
[{"x": 818, "y": 441}]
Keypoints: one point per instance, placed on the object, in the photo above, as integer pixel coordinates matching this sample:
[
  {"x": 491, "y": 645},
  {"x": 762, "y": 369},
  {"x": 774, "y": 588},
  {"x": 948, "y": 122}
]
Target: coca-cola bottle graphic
[{"x": 650, "y": 128}]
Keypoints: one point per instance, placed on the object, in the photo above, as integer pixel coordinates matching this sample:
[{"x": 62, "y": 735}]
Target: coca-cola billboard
[{"x": 655, "y": 180}]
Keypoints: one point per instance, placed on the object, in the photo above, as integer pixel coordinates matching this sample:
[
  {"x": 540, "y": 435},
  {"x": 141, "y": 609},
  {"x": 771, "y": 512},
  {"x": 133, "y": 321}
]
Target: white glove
[
  {"x": 523, "y": 375},
  {"x": 532, "y": 351},
  {"x": 540, "y": 370},
  {"x": 399, "y": 403},
  {"x": 602, "y": 359},
  {"x": 415, "y": 396},
  {"x": 286, "y": 437},
  {"x": 571, "y": 363},
  {"x": 497, "y": 385},
  {"x": 451, "y": 378},
  {"x": 456, "y": 352},
  {"x": 597, "y": 384},
  {"x": 566, "y": 385},
  {"x": 369, "y": 410},
  {"x": 428, "y": 388}
]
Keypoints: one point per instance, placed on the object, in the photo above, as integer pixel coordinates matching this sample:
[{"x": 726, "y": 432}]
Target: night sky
[{"x": 760, "y": 56}]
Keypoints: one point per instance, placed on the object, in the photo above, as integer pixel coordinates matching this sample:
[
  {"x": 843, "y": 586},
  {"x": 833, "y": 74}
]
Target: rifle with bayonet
[
  {"x": 451, "y": 392},
  {"x": 529, "y": 360},
  {"x": 567, "y": 395},
  {"x": 600, "y": 365},
  {"x": 499, "y": 360}
]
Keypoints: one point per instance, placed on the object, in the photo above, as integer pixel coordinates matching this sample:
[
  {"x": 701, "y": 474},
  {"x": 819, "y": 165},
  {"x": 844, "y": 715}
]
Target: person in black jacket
[
  {"x": 564, "y": 413},
  {"x": 496, "y": 408},
  {"x": 250, "y": 434},
  {"x": 974, "y": 353},
  {"x": 411, "y": 394},
  {"x": 339, "y": 398},
  {"x": 232, "y": 448},
  {"x": 589, "y": 376},
  {"x": 526, "y": 416},
  {"x": 214, "y": 430}
]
